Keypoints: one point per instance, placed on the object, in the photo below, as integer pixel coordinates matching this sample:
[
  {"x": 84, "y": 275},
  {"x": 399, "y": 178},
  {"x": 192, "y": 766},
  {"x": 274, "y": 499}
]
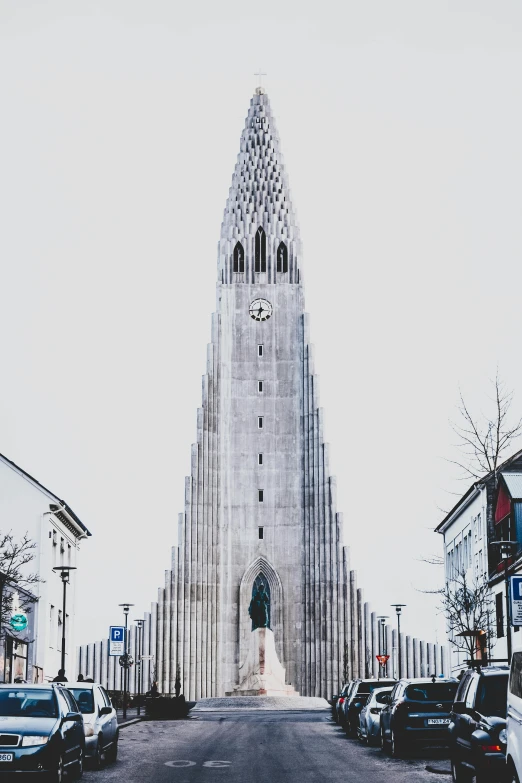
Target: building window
[
  {"x": 259, "y": 350},
  {"x": 261, "y": 533},
  {"x": 260, "y": 495},
  {"x": 239, "y": 258},
  {"x": 499, "y": 606},
  {"x": 51, "y": 625},
  {"x": 259, "y": 459},
  {"x": 260, "y": 422},
  {"x": 260, "y": 251},
  {"x": 282, "y": 258},
  {"x": 260, "y": 386},
  {"x": 59, "y": 632}
]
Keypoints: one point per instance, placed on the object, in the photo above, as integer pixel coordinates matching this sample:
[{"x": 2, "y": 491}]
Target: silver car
[
  {"x": 99, "y": 720},
  {"x": 369, "y": 718}
]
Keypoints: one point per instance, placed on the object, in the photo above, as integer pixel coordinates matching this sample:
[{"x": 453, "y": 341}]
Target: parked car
[
  {"x": 478, "y": 726},
  {"x": 337, "y": 710},
  {"x": 42, "y": 732},
  {"x": 354, "y": 702},
  {"x": 514, "y": 720},
  {"x": 99, "y": 719},
  {"x": 417, "y": 711},
  {"x": 369, "y": 719}
]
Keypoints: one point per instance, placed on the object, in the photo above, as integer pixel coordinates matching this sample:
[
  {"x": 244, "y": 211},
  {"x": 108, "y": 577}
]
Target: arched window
[
  {"x": 260, "y": 254},
  {"x": 282, "y": 258},
  {"x": 239, "y": 258}
]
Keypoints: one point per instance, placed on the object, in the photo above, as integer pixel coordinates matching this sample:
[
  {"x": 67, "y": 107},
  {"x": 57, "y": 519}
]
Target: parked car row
[
  {"x": 52, "y": 728},
  {"x": 467, "y": 717}
]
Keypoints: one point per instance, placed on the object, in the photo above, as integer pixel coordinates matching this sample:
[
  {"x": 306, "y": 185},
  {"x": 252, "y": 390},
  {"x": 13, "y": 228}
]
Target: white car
[
  {"x": 370, "y": 717},
  {"x": 99, "y": 719}
]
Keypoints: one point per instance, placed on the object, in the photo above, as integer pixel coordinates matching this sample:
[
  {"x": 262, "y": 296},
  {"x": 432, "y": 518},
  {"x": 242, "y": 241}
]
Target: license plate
[
  {"x": 6, "y": 756},
  {"x": 438, "y": 721}
]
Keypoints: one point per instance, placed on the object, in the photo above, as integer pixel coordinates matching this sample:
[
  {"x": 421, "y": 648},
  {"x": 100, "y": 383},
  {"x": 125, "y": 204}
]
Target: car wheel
[
  {"x": 112, "y": 754},
  {"x": 395, "y": 747},
  {"x": 460, "y": 774},
  {"x": 97, "y": 758},
  {"x": 77, "y": 770},
  {"x": 57, "y": 776},
  {"x": 512, "y": 776}
]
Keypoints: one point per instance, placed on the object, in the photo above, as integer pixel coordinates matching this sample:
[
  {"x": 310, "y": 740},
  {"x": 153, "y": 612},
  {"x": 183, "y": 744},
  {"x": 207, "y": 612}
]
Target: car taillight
[
  {"x": 491, "y": 748},
  {"x": 341, "y": 700}
]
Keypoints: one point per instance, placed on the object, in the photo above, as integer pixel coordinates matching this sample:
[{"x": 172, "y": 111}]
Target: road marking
[{"x": 186, "y": 763}]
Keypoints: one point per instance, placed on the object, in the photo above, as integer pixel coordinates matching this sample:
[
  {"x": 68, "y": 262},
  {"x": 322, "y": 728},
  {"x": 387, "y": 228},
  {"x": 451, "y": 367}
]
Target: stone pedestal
[{"x": 261, "y": 673}]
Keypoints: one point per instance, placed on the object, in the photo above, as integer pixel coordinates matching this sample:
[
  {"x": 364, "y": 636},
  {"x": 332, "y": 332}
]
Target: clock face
[{"x": 260, "y": 310}]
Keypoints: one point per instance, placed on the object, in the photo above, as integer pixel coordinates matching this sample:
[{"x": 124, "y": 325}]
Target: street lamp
[
  {"x": 506, "y": 550},
  {"x": 64, "y": 572},
  {"x": 139, "y": 624},
  {"x": 398, "y": 609},
  {"x": 126, "y": 608},
  {"x": 382, "y": 649}
]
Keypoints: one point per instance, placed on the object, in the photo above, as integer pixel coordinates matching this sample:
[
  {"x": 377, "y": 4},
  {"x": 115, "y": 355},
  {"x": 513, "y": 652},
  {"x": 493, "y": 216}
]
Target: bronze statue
[{"x": 259, "y": 608}]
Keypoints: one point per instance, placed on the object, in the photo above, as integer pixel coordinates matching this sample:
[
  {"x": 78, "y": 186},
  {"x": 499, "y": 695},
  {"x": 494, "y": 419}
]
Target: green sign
[{"x": 18, "y": 621}]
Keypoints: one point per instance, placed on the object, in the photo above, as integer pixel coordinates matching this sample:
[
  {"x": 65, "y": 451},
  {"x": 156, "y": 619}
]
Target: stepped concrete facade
[{"x": 260, "y": 501}]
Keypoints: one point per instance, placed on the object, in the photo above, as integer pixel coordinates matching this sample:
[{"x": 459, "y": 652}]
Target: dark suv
[
  {"x": 355, "y": 700},
  {"x": 418, "y": 710},
  {"x": 478, "y": 726}
]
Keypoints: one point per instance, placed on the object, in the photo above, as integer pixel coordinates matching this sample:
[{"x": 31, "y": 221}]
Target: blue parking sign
[
  {"x": 516, "y": 600},
  {"x": 116, "y": 640}
]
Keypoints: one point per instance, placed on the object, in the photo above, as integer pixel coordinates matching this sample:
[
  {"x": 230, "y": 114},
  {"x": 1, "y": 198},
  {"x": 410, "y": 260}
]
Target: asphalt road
[{"x": 255, "y": 747}]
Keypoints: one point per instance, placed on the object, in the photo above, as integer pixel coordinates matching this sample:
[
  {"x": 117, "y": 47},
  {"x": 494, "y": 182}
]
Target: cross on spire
[{"x": 260, "y": 74}]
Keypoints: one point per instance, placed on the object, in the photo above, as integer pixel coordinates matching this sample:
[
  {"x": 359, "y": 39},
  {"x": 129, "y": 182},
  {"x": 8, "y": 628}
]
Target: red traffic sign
[{"x": 383, "y": 659}]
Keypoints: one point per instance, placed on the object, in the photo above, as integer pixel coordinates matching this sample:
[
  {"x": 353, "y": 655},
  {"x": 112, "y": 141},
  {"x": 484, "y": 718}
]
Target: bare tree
[
  {"x": 483, "y": 440},
  {"x": 15, "y": 555},
  {"x": 467, "y": 606}
]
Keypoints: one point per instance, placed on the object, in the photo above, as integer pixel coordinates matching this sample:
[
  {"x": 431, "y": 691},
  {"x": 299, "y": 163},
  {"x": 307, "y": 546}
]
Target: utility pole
[
  {"x": 398, "y": 609},
  {"x": 64, "y": 572},
  {"x": 126, "y": 608}
]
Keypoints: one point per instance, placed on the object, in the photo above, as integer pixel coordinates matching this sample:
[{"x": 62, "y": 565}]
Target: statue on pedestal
[{"x": 259, "y": 609}]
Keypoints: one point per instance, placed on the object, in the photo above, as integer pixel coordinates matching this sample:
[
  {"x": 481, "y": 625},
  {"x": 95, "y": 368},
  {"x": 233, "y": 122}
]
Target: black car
[
  {"x": 478, "y": 726},
  {"x": 41, "y": 730},
  {"x": 355, "y": 700},
  {"x": 418, "y": 711},
  {"x": 338, "y": 701}
]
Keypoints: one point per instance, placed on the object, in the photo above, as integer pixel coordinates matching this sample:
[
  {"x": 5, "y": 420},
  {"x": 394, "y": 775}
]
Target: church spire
[{"x": 259, "y": 233}]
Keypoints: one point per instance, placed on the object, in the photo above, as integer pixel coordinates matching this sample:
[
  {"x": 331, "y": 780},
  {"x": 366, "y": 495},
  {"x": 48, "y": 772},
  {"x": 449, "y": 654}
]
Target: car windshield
[
  {"x": 380, "y": 698},
  {"x": 492, "y": 696},
  {"x": 84, "y": 698},
  {"x": 28, "y": 703},
  {"x": 432, "y": 691}
]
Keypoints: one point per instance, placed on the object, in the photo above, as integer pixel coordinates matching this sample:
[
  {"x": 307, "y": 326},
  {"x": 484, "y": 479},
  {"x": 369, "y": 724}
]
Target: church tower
[{"x": 260, "y": 503}]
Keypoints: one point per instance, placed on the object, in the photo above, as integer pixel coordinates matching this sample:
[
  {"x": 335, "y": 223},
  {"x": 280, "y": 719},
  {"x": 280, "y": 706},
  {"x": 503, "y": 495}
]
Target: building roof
[
  {"x": 475, "y": 488},
  {"x": 514, "y": 484},
  {"x": 63, "y": 504}
]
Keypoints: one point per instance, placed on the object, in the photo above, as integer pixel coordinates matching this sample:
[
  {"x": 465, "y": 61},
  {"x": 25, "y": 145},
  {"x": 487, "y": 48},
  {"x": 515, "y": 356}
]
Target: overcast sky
[{"x": 401, "y": 125}]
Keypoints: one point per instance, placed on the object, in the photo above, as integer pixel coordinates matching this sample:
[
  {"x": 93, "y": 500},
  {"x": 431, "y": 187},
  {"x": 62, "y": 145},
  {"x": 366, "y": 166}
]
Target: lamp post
[
  {"x": 64, "y": 572},
  {"x": 398, "y": 609},
  {"x": 126, "y": 608},
  {"x": 382, "y": 645},
  {"x": 506, "y": 550},
  {"x": 139, "y": 624}
]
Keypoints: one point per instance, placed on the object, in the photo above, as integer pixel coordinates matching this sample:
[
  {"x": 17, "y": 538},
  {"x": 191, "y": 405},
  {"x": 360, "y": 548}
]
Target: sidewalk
[{"x": 132, "y": 713}]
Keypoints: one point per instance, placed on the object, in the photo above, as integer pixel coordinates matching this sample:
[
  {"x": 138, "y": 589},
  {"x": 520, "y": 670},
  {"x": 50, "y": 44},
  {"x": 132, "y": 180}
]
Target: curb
[{"x": 129, "y": 722}]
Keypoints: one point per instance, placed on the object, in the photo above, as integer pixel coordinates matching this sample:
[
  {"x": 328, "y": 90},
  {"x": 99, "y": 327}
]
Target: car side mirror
[
  {"x": 72, "y": 716},
  {"x": 105, "y": 710},
  {"x": 459, "y": 707}
]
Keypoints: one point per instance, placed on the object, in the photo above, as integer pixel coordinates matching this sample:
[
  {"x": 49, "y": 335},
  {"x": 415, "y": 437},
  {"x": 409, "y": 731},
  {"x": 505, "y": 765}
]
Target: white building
[
  {"x": 28, "y": 507},
  {"x": 468, "y": 530}
]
